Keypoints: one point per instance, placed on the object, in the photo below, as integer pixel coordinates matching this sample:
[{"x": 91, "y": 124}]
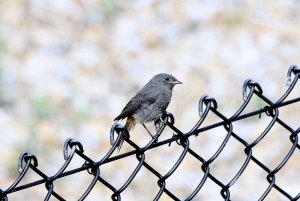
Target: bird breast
[{"x": 153, "y": 111}]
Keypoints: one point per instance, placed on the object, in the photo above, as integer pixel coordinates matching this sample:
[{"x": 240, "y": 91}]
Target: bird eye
[{"x": 167, "y": 78}]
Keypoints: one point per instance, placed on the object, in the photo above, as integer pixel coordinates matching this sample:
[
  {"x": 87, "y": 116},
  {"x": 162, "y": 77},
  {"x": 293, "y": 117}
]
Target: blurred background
[{"x": 68, "y": 67}]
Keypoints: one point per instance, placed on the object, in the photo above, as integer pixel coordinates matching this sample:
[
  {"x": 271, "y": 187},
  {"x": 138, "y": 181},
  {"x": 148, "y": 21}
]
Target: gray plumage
[{"x": 150, "y": 102}]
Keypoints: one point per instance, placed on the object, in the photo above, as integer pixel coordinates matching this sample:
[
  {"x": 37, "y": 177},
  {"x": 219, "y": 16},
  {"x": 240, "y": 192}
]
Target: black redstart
[{"x": 149, "y": 103}]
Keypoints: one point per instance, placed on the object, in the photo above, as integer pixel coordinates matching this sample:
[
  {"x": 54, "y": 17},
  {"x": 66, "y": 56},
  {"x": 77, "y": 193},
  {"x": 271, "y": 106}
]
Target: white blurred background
[{"x": 68, "y": 67}]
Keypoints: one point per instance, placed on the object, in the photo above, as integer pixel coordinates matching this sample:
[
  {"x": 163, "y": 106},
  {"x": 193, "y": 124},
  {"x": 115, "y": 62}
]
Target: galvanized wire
[{"x": 206, "y": 105}]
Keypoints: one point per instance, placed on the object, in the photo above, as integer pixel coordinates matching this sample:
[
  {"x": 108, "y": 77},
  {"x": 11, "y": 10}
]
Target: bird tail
[{"x": 129, "y": 125}]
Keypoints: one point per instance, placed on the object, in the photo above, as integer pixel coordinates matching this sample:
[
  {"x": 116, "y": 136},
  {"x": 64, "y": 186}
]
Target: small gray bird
[{"x": 149, "y": 103}]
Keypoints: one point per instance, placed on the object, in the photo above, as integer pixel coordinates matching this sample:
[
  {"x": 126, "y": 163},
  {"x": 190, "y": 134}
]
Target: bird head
[{"x": 166, "y": 79}]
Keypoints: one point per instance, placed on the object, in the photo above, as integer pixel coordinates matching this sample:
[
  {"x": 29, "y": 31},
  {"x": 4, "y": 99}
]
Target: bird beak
[{"x": 175, "y": 82}]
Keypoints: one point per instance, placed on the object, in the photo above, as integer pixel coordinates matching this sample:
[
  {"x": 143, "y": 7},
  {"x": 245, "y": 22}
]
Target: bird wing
[{"x": 135, "y": 103}]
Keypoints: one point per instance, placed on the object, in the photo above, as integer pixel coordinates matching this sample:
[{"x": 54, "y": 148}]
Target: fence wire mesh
[{"x": 28, "y": 162}]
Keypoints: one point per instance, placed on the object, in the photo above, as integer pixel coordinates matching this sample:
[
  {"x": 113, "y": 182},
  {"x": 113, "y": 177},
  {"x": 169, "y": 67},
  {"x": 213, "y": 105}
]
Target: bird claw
[
  {"x": 174, "y": 135},
  {"x": 155, "y": 139}
]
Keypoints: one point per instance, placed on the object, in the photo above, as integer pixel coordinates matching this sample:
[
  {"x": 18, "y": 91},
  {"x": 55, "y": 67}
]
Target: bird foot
[
  {"x": 155, "y": 139},
  {"x": 174, "y": 135}
]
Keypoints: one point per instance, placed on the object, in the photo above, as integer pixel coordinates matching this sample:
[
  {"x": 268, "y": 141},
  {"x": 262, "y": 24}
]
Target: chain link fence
[{"x": 207, "y": 105}]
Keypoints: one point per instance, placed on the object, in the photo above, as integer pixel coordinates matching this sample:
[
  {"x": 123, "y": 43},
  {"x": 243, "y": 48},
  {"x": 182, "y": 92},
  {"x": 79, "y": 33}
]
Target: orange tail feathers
[{"x": 129, "y": 125}]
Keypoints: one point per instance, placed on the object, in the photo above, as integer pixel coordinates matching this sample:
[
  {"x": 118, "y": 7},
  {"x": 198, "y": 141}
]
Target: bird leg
[{"x": 148, "y": 131}]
